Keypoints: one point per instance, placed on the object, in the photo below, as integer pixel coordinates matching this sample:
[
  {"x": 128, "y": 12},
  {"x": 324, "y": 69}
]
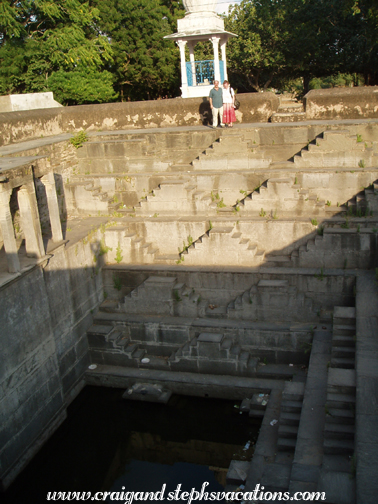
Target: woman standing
[{"x": 228, "y": 104}]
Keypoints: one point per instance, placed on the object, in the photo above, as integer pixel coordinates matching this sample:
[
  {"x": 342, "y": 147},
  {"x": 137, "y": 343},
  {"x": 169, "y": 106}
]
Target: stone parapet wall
[
  {"x": 342, "y": 103},
  {"x": 20, "y": 126}
]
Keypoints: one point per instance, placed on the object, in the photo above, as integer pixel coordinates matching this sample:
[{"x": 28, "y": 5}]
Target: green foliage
[
  {"x": 176, "y": 296},
  {"x": 118, "y": 256},
  {"x": 82, "y": 86},
  {"x": 361, "y": 163},
  {"x": 42, "y": 37},
  {"x": 103, "y": 249},
  {"x": 257, "y": 55},
  {"x": 321, "y": 276},
  {"x": 314, "y": 222},
  {"x": 146, "y": 66},
  {"x": 78, "y": 139},
  {"x": 117, "y": 282},
  {"x": 262, "y": 213}
]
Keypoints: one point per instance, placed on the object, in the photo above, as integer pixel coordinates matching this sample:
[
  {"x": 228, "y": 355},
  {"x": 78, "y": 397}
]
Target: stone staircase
[
  {"x": 290, "y": 413},
  {"x": 223, "y": 246},
  {"x": 213, "y": 353},
  {"x": 231, "y": 152},
  {"x": 344, "y": 337},
  {"x": 289, "y": 110},
  {"x": 281, "y": 195},
  {"x": 164, "y": 296},
  {"x": 109, "y": 344},
  {"x": 125, "y": 247},
  {"x": 334, "y": 247},
  {"x": 176, "y": 196},
  {"x": 340, "y": 412},
  {"x": 273, "y": 299},
  {"x": 335, "y": 148},
  {"x": 84, "y": 197},
  {"x": 124, "y": 152}
]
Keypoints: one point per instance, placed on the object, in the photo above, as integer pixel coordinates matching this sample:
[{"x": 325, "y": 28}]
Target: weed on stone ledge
[{"x": 78, "y": 139}]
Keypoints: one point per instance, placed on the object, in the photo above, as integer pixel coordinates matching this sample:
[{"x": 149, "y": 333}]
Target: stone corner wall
[
  {"x": 20, "y": 126},
  {"x": 342, "y": 103}
]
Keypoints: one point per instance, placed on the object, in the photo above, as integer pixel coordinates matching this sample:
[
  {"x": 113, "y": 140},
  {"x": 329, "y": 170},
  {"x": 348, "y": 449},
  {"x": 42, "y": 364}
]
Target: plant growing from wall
[
  {"x": 262, "y": 213},
  {"x": 118, "y": 256},
  {"x": 117, "y": 282},
  {"x": 79, "y": 139}
]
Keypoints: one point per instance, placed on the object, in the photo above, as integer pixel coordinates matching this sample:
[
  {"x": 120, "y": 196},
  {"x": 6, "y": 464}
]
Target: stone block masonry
[{"x": 44, "y": 316}]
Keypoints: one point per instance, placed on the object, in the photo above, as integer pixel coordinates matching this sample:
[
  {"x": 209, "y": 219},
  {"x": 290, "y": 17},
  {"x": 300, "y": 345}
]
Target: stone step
[
  {"x": 290, "y": 418},
  {"x": 342, "y": 363},
  {"x": 293, "y": 391},
  {"x": 344, "y": 315},
  {"x": 343, "y": 352},
  {"x": 338, "y": 431},
  {"x": 341, "y": 381},
  {"x": 341, "y": 401},
  {"x": 343, "y": 341},
  {"x": 155, "y": 362},
  {"x": 344, "y": 330},
  {"x": 340, "y": 416},
  {"x": 256, "y": 413},
  {"x": 279, "y": 117},
  {"x": 286, "y": 444},
  {"x": 288, "y": 431},
  {"x": 291, "y": 406},
  {"x": 338, "y": 446}
]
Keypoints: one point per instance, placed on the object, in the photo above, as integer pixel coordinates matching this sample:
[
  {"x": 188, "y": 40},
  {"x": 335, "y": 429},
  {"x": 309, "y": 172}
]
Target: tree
[
  {"x": 41, "y": 37},
  {"x": 256, "y": 57},
  {"x": 145, "y": 64}
]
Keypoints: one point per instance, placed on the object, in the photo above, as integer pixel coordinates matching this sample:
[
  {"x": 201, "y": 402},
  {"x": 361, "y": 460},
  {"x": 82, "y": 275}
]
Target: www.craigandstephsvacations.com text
[{"x": 188, "y": 497}]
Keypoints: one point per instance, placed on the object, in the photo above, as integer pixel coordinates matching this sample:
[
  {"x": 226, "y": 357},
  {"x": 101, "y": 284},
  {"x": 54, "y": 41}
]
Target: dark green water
[{"x": 108, "y": 443}]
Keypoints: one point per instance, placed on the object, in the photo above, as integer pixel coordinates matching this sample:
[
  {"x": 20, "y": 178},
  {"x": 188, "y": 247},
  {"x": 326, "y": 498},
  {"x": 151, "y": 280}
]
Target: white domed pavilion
[{"x": 201, "y": 23}]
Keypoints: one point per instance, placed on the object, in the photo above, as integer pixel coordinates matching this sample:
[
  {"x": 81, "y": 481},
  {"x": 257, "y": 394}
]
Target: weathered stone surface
[
  {"x": 346, "y": 103},
  {"x": 256, "y": 107}
]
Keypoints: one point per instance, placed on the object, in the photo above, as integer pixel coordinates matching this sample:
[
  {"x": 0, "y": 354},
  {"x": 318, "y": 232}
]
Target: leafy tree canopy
[
  {"x": 145, "y": 64},
  {"x": 41, "y": 37}
]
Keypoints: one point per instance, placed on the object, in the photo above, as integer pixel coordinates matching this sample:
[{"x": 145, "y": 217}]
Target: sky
[{"x": 222, "y": 5}]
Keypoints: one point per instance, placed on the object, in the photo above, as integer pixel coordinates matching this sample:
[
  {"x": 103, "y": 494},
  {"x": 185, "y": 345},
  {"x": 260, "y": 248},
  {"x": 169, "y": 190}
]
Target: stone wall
[
  {"x": 20, "y": 126},
  {"x": 342, "y": 103},
  {"x": 44, "y": 316}
]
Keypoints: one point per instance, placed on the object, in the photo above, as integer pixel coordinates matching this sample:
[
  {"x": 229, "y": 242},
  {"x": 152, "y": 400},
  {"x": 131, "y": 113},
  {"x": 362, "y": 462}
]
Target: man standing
[{"x": 216, "y": 104}]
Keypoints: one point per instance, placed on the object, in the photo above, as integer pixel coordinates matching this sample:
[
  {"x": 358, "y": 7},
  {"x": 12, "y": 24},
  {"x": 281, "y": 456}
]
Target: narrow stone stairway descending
[
  {"x": 289, "y": 110},
  {"x": 344, "y": 337},
  {"x": 291, "y": 407}
]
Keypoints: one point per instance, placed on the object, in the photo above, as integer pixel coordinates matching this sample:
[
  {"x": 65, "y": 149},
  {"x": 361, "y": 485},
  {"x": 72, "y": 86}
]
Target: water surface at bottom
[{"x": 111, "y": 444}]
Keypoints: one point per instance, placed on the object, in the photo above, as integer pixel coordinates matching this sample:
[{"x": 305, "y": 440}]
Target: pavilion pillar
[
  {"x": 184, "y": 80},
  {"x": 7, "y": 231},
  {"x": 215, "y": 41},
  {"x": 223, "y": 52},
  {"x": 192, "y": 61}
]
